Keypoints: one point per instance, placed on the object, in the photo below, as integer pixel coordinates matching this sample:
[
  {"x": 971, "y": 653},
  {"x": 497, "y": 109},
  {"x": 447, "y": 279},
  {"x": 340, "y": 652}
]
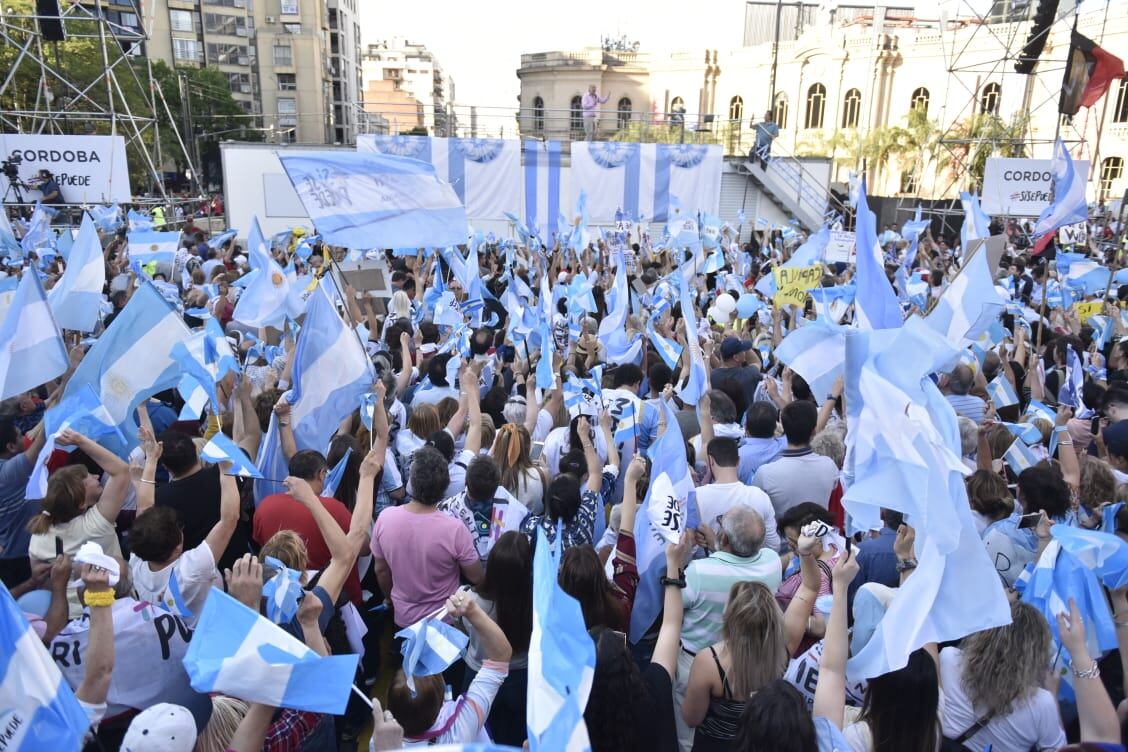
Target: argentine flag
[
  {"x": 38, "y": 709},
  {"x": 1069, "y": 205},
  {"x": 76, "y": 299},
  {"x": 816, "y": 352},
  {"x": 31, "y": 348},
  {"x": 236, "y": 651},
  {"x": 367, "y": 200},
  {"x": 222, "y": 449},
  {"x": 266, "y": 301},
  {"x": 970, "y": 304},
  {"x": 130, "y": 362},
  {"x": 331, "y": 375},
  {"x": 146, "y": 247}
]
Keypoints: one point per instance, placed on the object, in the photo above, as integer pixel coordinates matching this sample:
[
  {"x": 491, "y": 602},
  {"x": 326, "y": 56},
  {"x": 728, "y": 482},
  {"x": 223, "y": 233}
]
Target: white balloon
[
  {"x": 715, "y": 314},
  {"x": 726, "y": 303}
]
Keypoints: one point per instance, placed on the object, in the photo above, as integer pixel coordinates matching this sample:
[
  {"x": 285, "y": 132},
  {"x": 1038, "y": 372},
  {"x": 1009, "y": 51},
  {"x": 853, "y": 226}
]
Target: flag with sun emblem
[{"x": 266, "y": 301}]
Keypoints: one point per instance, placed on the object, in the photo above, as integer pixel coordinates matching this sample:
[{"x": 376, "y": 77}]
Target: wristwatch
[
  {"x": 672, "y": 582},
  {"x": 904, "y": 565}
]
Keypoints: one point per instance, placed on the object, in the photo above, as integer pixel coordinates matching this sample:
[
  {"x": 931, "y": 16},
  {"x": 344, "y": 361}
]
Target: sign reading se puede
[
  {"x": 88, "y": 169},
  {"x": 1021, "y": 187},
  {"x": 792, "y": 283}
]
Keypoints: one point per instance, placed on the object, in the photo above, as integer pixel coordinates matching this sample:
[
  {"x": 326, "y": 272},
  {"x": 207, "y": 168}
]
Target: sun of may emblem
[
  {"x": 119, "y": 387},
  {"x": 154, "y": 247},
  {"x": 276, "y": 279}
]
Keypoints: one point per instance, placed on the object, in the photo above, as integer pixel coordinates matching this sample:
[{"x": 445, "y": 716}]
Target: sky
[{"x": 480, "y": 42}]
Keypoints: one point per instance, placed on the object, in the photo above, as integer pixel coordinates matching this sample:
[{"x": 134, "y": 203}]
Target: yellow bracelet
[{"x": 101, "y": 598}]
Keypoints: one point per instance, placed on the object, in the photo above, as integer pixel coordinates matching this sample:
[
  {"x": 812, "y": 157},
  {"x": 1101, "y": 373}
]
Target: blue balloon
[{"x": 747, "y": 305}]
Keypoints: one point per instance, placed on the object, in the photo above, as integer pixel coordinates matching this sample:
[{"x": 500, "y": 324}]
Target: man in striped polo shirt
[{"x": 738, "y": 554}]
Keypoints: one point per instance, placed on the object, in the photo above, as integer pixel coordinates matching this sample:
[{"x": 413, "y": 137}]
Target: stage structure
[{"x": 97, "y": 104}]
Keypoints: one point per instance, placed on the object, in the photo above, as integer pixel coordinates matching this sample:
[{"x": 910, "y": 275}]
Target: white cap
[{"x": 161, "y": 728}]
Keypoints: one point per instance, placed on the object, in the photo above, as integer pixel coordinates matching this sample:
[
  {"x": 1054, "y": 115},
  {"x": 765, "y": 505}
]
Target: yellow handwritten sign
[
  {"x": 1087, "y": 309},
  {"x": 792, "y": 283}
]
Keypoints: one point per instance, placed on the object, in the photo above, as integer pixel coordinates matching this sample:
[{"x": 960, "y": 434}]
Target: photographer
[{"x": 45, "y": 184}]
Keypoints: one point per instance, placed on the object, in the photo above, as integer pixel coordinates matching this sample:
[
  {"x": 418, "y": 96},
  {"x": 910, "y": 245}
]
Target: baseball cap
[
  {"x": 1116, "y": 438},
  {"x": 733, "y": 346},
  {"x": 161, "y": 728}
]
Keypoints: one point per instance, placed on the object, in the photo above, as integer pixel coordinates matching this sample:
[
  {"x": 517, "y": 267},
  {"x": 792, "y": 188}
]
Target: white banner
[
  {"x": 1020, "y": 187},
  {"x": 88, "y": 169},
  {"x": 1077, "y": 234},
  {"x": 841, "y": 247}
]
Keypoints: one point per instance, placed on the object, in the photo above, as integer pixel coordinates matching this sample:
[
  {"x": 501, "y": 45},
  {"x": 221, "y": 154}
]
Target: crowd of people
[{"x": 431, "y": 498}]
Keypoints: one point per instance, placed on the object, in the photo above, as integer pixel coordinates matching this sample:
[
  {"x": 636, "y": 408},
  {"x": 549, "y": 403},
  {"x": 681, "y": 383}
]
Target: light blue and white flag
[
  {"x": 833, "y": 302},
  {"x": 130, "y": 362},
  {"x": 816, "y": 352},
  {"x": 1019, "y": 456},
  {"x": 331, "y": 374},
  {"x": 9, "y": 246},
  {"x": 40, "y": 711},
  {"x": 905, "y": 443},
  {"x": 875, "y": 305},
  {"x": 669, "y": 507},
  {"x": 106, "y": 218},
  {"x": 1001, "y": 392},
  {"x": 970, "y": 304},
  {"x": 1102, "y": 330},
  {"x": 1070, "y": 393},
  {"x": 813, "y": 251},
  {"x": 76, "y": 299},
  {"x": 1069, "y": 205},
  {"x": 38, "y": 233},
  {"x": 1103, "y": 552},
  {"x": 266, "y": 301},
  {"x": 190, "y": 355},
  {"x": 282, "y": 592},
  {"x": 1029, "y": 433},
  {"x": 669, "y": 350},
  {"x": 1036, "y": 409},
  {"x": 333, "y": 479},
  {"x": 31, "y": 348},
  {"x": 65, "y": 242},
  {"x": 147, "y": 247},
  {"x": 370, "y": 200},
  {"x": 236, "y": 651},
  {"x": 626, "y": 430},
  {"x": 584, "y": 395},
  {"x": 222, "y": 449},
  {"x": 82, "y": 412},
  {"x": 561, "y": 659},
  {"x": 976, "y": 225},
  {"x": 546, "y": 374},
  {"x": 697, "y": 382},
  {"x": 430, "y": 646},
  {"x": 139, "y": 222}
]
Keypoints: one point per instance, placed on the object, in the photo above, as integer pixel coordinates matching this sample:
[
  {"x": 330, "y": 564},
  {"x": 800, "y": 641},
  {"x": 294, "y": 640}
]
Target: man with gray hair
[
  {"x": 957, "y": 391},
  {"x": 736, "y": 554}
]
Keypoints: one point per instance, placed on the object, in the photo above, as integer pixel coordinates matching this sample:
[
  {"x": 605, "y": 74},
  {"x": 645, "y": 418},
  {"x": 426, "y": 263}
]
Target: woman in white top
[
  {"x": 901, "y": 709},
  {"x": 994, "y": 679},
  {"x": 519, "y": 475},
  {"x": 77, "y": 508}
]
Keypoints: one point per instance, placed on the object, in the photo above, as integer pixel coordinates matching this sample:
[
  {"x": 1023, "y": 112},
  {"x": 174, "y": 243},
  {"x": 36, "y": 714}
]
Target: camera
[{"x": 10, "y": 166}]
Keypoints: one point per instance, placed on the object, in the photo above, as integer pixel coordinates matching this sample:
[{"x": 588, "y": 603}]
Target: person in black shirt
[
  {"x": 49, "y": 187},
  {"x": 193, "y": 491}
]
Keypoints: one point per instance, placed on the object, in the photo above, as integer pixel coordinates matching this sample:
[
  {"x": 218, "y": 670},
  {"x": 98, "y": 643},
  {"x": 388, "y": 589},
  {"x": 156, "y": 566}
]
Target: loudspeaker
[
  {"x": 1036, "y": 41},
  {"x": 50, "y": 23}
]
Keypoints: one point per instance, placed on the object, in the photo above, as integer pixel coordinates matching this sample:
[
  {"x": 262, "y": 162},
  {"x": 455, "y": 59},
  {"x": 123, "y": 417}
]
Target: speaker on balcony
[
  {"x": 1040, "y": 25},
  {"x": 50, "y": 23}
]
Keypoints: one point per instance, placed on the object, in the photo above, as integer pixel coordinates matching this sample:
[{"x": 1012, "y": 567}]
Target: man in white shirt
[
  {"x": 164, "y": 573},
  {"x": 726, "y": 491}
]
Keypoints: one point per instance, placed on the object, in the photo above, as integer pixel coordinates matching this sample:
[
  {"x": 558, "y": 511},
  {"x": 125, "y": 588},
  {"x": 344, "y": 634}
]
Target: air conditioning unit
[
  {"x": 245, "y": 88},
  {"x": 270, "y": 19},
  {"x": 244, "y": 60}
]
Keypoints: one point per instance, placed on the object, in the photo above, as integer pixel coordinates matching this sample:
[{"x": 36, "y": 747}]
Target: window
[
  {"x": 624, "y": 113},
  {"x": 736, "y": 109},
  {"x": 909, "y": 182},
  {"x": 780, "y": 110},
  {"x": 292, "y": 28},
  {"x": 920, "y": 100},
  {"x": 288, "y": 81},
  {"x": 989, "y": 97},
  {"x": 1120, "y": 114},
  {"x": 816, "y": 106},
  {"x": 186, "y": 49},
  {"x": 287, "y": 106},
  {"x": 180, "y": 20},
  {"x": 219, "y": 23},
  {"x": 130, "y": 20},
  {"x": 227, "y": 54},
  {"x": 240, "y": 83},
  {"x": 576, "y": 117},
  {"x": 1112, "y": 169},
  {"x": 538, "y": 115},
  {"x": 851, "y": 108},
  {"x": 283, "y": 54},
  {"x": 289, "y": 7}
]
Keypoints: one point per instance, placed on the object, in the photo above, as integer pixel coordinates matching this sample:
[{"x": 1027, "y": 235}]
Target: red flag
[{"x": 1089, "y": 72}]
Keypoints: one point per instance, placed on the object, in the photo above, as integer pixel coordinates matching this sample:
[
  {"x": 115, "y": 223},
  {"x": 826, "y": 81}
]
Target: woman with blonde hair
[
  {"x": 1098, "y": 484},
  {"x": 993, "y": 687},
  {"x": 751, "y": 656},
  {"x": 423, "y": 422},
  {"x": 519, "y": 475}
]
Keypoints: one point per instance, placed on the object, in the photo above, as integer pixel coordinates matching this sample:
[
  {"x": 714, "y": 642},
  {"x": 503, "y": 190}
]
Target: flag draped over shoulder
[{"x": 905, "y": 445}]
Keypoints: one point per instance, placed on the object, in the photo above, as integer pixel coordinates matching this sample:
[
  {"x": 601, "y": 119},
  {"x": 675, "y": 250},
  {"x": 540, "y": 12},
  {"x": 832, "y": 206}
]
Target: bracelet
[
  {"x": 1090, "y": 673},
  {"x": 150, "y": 482},
  {"x": 283, "y": 422},
  {"x": 905, "y": 565},
  {"x": 1121, "y": 623},
  {"x": 101, "y": 598}
]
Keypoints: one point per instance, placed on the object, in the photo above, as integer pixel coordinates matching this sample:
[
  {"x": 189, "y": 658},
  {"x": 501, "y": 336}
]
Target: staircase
[{"x": 793, "y": 189}]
